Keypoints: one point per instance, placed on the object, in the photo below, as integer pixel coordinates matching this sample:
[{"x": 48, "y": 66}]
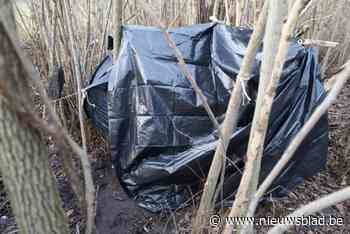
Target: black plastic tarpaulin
[{"x": 162, "y": 140}]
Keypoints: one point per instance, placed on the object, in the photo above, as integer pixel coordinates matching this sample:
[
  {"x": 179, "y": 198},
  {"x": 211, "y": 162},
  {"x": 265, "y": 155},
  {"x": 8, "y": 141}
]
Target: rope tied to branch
[
  {"x": 84, "y": 96},
  {"x": 242, "y": 81}
]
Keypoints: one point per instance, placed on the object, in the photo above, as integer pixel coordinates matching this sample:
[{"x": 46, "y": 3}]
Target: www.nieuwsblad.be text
[{"x": 217, "y": 221}]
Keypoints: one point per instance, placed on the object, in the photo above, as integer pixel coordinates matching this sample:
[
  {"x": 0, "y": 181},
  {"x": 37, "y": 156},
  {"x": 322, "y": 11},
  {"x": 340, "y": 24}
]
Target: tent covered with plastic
[{"x": 162, "y": 140}]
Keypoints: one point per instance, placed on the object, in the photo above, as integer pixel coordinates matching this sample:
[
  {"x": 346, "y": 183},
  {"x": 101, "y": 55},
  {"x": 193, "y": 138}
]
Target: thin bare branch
[
  {"x": 321, "y": 43},
  {"x": 216, "y": 8},
  {"x": 227, "y": 12},
  {"x": 340, "y": 80},
  {"x": 117, "y": 26},
  {"x": 313, "y": 207}
]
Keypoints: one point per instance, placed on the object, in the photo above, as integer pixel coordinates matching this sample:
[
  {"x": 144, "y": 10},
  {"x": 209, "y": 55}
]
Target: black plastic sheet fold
[{"x": 162, "y": 140}]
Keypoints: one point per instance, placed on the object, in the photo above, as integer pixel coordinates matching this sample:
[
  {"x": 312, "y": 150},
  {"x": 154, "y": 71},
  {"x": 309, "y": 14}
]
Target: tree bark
[
  {"x": 239, "y": 12},
  {"x": 31, "y": 186},
  {"x": 23, "y": 162},
  {"x": 89, "y": 184},
  {"x": 250, "y": 178},
  {"x": 194, "y": 12},
  {"x": 255, "y": 10},
  {"x": 229, "y": 126},
  {"x": 118, "y": 22},
  {"x": 227, "y": 13},
  {"x": 216, "y": 8}
]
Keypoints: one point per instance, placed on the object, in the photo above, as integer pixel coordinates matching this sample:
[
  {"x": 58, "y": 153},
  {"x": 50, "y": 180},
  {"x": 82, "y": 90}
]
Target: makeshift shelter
[{"x": 162, "y": 140}]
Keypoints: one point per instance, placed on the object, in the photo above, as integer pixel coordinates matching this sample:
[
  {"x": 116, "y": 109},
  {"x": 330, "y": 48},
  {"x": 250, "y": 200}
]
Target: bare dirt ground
[{"x": 116, "y": 213}]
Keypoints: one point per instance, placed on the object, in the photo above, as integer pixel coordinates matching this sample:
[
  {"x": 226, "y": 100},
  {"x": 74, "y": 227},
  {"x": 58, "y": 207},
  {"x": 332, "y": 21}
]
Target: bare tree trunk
[
  {"x": 194, "y": 11},
  {"x": 250, "y": 176},
  {"x": 255, "y": 10},
  {"x": 277, "y": 13},
  {"x": 23, "y": 162},
  {"x": 117, "y": 26},
  {"x": 325, "y": 61},
  {"x": 290, "y": 5},
  {"x": 227, "y": 12},
  {"x": 163, "y": 11},
  {"x": 24, "y": 165},
  {"x": 229, "y": 126},
  {"x": 90, "y": 188},
  {"x": 251, "y": 173},
  {"x": 216, "y": 8},
  {"x": 239, "y": 12}
]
